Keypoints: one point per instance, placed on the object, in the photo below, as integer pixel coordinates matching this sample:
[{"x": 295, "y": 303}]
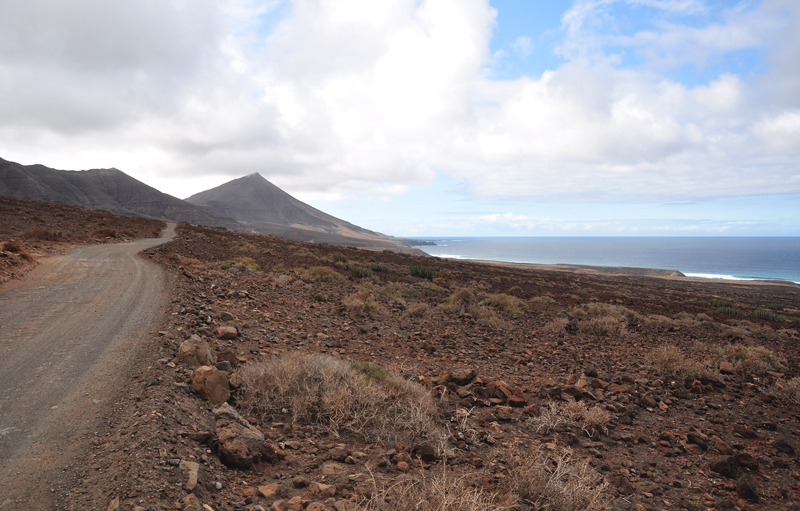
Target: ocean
[{"x": 712, "y": 257}]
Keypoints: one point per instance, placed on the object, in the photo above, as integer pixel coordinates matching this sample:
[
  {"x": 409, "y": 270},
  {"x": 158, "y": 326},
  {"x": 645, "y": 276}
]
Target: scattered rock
[
  {"x": 227, "y": 332},
  {"x": 725, "y": 466},
  {"x": 190, "y": 471},
  {"x": 462, "y": 376},
  {"x": 747, "y": 488},
  {"x": 210, "y": 383},
  {"x": 196, "y": 352},
  {"x": 239, "y": 442}
]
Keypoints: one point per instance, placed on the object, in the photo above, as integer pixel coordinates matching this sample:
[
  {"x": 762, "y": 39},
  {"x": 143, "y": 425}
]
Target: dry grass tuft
[
  {"x": 507, "y": 303},
  {"x": 323, "y": 391},
  {"x": 603, "y": 326},
  {"x": 363, "y": 302},
  {"x": 439, "y": 492},
  {"x": 592, "y": 420},
  {"x": 467, "y": 301},
  {"x": 750, "y": 359},
  {"x": 40, "y": 234},
  {"x": 789, "y": 390},
  {"x": 321, "y": 274},
  {"x": 557, "y": 326},
  {"x": 670, "y": 360},
  {"x": 554, "y": 482}
]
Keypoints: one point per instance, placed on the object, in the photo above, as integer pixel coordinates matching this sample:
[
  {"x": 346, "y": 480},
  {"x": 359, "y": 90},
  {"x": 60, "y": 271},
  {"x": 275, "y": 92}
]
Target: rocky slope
[
  {"x": 637, "y": 392},
  {"x": 106, "y": 189}
]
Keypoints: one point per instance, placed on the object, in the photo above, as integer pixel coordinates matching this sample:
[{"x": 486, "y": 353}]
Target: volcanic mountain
[
  {"x": 265, "y": 208},
  {"x": 108, "y": 189},
  {"x": 248, "y": 204}
]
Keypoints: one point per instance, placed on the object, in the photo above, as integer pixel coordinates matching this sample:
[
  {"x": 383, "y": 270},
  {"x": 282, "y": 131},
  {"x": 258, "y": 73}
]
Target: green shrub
[
  {"x": 339, "y": 258},
  {"x": 370, "y": 371},
  {"x": 360, "y": 272},
  {"x": 379, "y": 268},
  {"x": 767, "y": 315},
  {"x": 243, "y": 263},
  {"x": 423, "y": 272}
]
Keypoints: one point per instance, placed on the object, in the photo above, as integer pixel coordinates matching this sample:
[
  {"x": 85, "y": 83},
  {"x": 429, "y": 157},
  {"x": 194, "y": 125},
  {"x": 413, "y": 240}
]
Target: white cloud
[
  {"x": 523, "y": 44},
  {"x": 334, "y": 97}
]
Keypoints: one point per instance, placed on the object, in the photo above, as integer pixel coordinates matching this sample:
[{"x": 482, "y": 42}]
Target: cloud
[
  {"x": 523, "y": 44},
  {"x": 333, "y": 98}
]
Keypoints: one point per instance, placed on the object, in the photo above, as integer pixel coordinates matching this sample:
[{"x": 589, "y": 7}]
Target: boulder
[
  {"x": 211, "y": 384},
  {"x": 194, "y": 352},
  {"x": 239, "y": 442}
]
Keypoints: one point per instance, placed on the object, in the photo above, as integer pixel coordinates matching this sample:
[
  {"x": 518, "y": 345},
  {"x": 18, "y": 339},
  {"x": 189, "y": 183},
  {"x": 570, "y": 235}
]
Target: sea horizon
[{"x": 713, "y": 257}]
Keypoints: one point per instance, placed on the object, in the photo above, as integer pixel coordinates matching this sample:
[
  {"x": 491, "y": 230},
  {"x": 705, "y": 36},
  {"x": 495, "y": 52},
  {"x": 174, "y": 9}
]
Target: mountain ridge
[{"x": 247, "y": 204}]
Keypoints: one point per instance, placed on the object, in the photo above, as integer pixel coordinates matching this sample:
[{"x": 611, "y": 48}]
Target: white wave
[
  {"x": 717, "y": 276},
  {"x": 729, "y": 277}
]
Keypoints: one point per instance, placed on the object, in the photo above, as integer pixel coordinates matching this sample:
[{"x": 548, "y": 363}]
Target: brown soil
[{"x": 658, "y": 449}]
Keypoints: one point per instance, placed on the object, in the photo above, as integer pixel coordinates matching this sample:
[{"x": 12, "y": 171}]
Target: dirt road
[{"x": 67, "y": 335}]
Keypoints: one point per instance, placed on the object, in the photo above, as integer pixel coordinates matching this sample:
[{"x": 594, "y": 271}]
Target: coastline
[
  {"x": 620, "y": 271},
  {"x": 703, "y": 260}
]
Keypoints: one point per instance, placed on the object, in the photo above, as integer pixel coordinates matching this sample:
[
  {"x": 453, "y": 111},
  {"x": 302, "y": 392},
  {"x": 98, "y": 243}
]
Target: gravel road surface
[{"x": 68, "y": 333}]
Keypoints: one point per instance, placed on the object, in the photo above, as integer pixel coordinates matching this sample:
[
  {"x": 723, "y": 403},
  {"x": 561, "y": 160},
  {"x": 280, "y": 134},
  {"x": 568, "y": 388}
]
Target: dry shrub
[
  {"x": 13, "y": 246},
  {"x": 544, "y": 481},
  {"x": 750, "y": 359},
  {"x": 549, "y": 418},
  {"x": 603, "y": 326},
  {"x": 556, "y": 326},
  {"x": 554, "y": 482},
  {"x": 543, "y": 299},
  {"x": 363, "y": 302},
  {"x": 467, "y": 301},
  {"x": 419, "y": 311},
  {"x": 397, "y": 291},
  {"x": 670, "y": 360},
  {"x": 40, "y": 234},
  {"x": 789, "y": 391},
  {"x": 319, "y": 390},
  {"x": 192, "y": 262},
  {"x": 592, "y": 420},
  {"x": 507, "y": 303},
  {"x": 282, "y": 279},
  {"x": 461, "y": 301},
  {"x": 105, "y": 233},
  {"x": 439, "y": 492},
  {"x": 321, "y": 274}
]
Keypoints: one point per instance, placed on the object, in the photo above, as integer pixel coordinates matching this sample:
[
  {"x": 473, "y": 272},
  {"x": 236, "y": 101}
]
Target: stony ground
[
  {"x": 671, "y": 393},
  {"x": 521, "y": 362}
]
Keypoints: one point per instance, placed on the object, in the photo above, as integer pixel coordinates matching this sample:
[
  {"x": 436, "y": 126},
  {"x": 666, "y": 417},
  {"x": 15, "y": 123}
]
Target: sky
[{"x": 427, "y": 117}]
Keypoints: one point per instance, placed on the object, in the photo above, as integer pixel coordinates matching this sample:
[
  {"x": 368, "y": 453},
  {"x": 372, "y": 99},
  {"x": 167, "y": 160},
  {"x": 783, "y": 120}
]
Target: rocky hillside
[
  {"x": 107, "y": 189},
  {"x": 291, "y": 376}
]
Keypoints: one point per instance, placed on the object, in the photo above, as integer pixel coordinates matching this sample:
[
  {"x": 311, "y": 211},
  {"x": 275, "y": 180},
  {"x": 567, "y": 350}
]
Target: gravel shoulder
[{"x": 68, "y": 333}]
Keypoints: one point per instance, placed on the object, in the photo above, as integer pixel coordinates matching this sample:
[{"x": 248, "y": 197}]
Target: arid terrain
[{"x": 499, "y": 387}]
